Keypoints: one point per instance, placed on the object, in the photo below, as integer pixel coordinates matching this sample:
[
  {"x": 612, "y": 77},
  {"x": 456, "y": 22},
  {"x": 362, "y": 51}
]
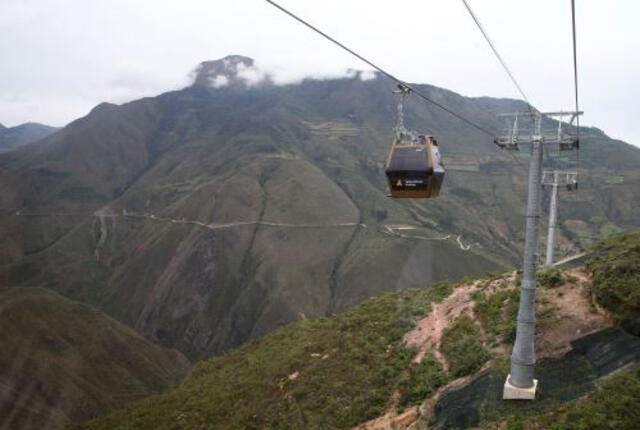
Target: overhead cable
[
  {"x": 384, "y": 72},
  {"x": 575, "y": 63},
  {"x": 497, "y": 54},
  {"x": 575, "y": 80}
]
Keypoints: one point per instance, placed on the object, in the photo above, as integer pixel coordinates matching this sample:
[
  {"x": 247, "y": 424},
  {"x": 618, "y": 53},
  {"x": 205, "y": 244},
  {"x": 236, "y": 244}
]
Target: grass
[
  {"x": 342, "y": 371},
  {"x": 497, "y": 313},
  {"x": 334, "y": 131},
  {"x": 184, "y": 138},
  {"x": 54, "y": 348},
  {"x": 614, "y": 180},
  {"x": 616, "y": 405},
  {"x": 462, "y": 346},
  {"x": 616, "y": 275},
  {"x": 422, "y": 382},
  {"x": 322, "y": 373},
  {"x": 549, "y": 278}
]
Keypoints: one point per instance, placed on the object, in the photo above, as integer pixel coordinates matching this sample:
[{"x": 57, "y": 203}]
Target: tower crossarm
[
  {"x": 517, "y": 135},
  {"x": 560, "y": 178}
]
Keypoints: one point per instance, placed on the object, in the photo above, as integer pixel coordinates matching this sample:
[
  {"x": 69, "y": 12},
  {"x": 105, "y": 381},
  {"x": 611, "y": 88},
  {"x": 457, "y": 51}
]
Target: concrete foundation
[{"x": 511, "y": 392}]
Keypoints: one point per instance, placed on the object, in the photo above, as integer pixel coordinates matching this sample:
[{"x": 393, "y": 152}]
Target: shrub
[
  {"x": 550, "y": 278},
  {"x": 463, "y": 348},
  {"x": 615, "y": 266},
  {"x": 615, "y": 406},
  {"x": 498, "y": 312},
  {"x": 441, "y": 290},
  {"x": 346, "y": 369},
  {"x": 422, "y": 381}
]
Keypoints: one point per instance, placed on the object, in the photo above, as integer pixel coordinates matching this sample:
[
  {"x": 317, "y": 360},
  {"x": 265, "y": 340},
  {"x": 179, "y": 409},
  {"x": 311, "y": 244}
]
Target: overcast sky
[{"x": 59, "y": 58}]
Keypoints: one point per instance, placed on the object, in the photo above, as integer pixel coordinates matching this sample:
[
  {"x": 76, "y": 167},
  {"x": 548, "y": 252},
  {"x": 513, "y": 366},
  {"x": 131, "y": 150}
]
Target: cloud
[
  {"x": 238, "y": 70},
  {"x": 363, "y": 75},
  {"x": 368, "y": 75},
  {"x": 125, "y": 50},
  {"x": 219, "y": 81},
  {"x": 252, "y": 75}
]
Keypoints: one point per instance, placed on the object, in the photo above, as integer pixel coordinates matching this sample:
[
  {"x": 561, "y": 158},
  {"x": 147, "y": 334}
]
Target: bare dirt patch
[
  {"x": 426, "y": 336},
  {"x": 427, "y": 333},
  {"x": 567, "y": 311},
  {"x": 391, "y": 420},
  {"x": 573, "y": 314}
]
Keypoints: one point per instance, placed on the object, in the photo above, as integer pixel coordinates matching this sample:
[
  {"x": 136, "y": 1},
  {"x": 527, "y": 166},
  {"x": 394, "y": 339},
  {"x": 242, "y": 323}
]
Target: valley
[
  {"x": 63, "y": 361},
  {"x": 422, "y": 359},
  {"x": 246, "y": 229}
]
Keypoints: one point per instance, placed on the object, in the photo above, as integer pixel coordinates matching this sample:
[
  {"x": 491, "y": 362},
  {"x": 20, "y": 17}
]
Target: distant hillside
[
  {"x": 434, "y": 358},
  {"x": 212, "y": 215},
  {"x": 12, "y": 137},
  {"x": 63, "y": 361}
]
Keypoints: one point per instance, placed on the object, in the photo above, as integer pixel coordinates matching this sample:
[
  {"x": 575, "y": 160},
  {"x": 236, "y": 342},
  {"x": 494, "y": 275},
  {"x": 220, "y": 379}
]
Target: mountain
[
  {"x": 63, "y": 361},
  {"x": 212, "y": 215},
  {"x": 431, "y": 358},
  {"x": 12, "y": 137}
]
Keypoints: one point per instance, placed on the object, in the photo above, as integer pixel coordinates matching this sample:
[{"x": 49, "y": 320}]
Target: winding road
[{"x": 102, "y": 214}]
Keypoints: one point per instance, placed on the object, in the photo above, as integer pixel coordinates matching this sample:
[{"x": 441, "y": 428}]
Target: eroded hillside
[
  {"x": 63, "y": 361},
  {"x": 212, "y": 215},
  {"x": 433, "y": 358}
]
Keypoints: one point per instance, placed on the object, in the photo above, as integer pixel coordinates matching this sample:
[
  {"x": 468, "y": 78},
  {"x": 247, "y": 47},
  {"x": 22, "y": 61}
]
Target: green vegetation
[
  {"x": 494, "y": 275},
  {"x": 439, "y": 291},
  {"x": 615, "y": 265},
  {"x": 323, "y": 373},
  {"x": 615, "y": 406},
  {"x": 61, "y": 360},
  {"x": 334, "y": 131},
  {"x": 614, "y": 180},
  {"x": 13, "y": 137},
  {"x": 417, "y": 303},
  {"x": 462, "y": 346},
  {"x": 341, "y": 371},
  {"x": 549, "y": 278},
  {"x": 497, "y": 313},
  {"x": 422, "y": 381},
  {"x": 305, "y": 154},
  {"x": 225, "y": 157}
]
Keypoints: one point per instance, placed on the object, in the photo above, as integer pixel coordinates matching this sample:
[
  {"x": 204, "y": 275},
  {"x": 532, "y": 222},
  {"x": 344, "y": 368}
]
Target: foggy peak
[{"x": 232, "y": 70}]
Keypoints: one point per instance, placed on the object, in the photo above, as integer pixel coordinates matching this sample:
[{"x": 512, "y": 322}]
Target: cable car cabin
[{"x": 414, "y": 170}]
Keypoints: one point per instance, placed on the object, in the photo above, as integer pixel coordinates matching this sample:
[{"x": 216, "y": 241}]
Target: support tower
[
  {"x": 520, "y": 383},
  {"x": 554, "y": 179}
]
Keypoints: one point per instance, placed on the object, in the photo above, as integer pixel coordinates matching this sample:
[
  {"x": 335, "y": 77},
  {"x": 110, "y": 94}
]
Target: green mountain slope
[
  {"x": 209, "y": 216},
  {"x": 12, "y": 137},
  {"x": 376, "y": 363},
  {"x": 613, "y": 406},
  {"x": 326, "y": 373},
  {"x": 62, "y": 361}
]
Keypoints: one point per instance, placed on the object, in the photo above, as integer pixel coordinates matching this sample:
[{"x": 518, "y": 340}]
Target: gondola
[{"x": 414, "y": 169}]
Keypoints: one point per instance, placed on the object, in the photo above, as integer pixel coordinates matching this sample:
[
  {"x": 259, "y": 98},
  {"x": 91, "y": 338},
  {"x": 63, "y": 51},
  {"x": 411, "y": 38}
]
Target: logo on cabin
[{"x": 399, "y": 183}]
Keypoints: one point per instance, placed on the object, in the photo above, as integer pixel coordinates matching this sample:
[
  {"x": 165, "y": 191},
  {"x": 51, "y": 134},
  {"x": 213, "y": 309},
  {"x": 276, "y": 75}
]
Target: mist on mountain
[{"x": 207, "y": 217}]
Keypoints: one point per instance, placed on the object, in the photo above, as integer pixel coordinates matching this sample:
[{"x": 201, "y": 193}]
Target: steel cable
[
  {"x": 498, "y": 56},
  {"x": 381, "y": 70},
  {"x": 575, "y": 81}
]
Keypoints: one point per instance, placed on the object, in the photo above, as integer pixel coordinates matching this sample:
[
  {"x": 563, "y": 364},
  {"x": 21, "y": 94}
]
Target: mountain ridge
[
  {"x": 63, "y": 361},
  {"x": 29, "y": 132},
  {"x": 429, "y": 358},
  {"x": 300, "y": 154}
]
